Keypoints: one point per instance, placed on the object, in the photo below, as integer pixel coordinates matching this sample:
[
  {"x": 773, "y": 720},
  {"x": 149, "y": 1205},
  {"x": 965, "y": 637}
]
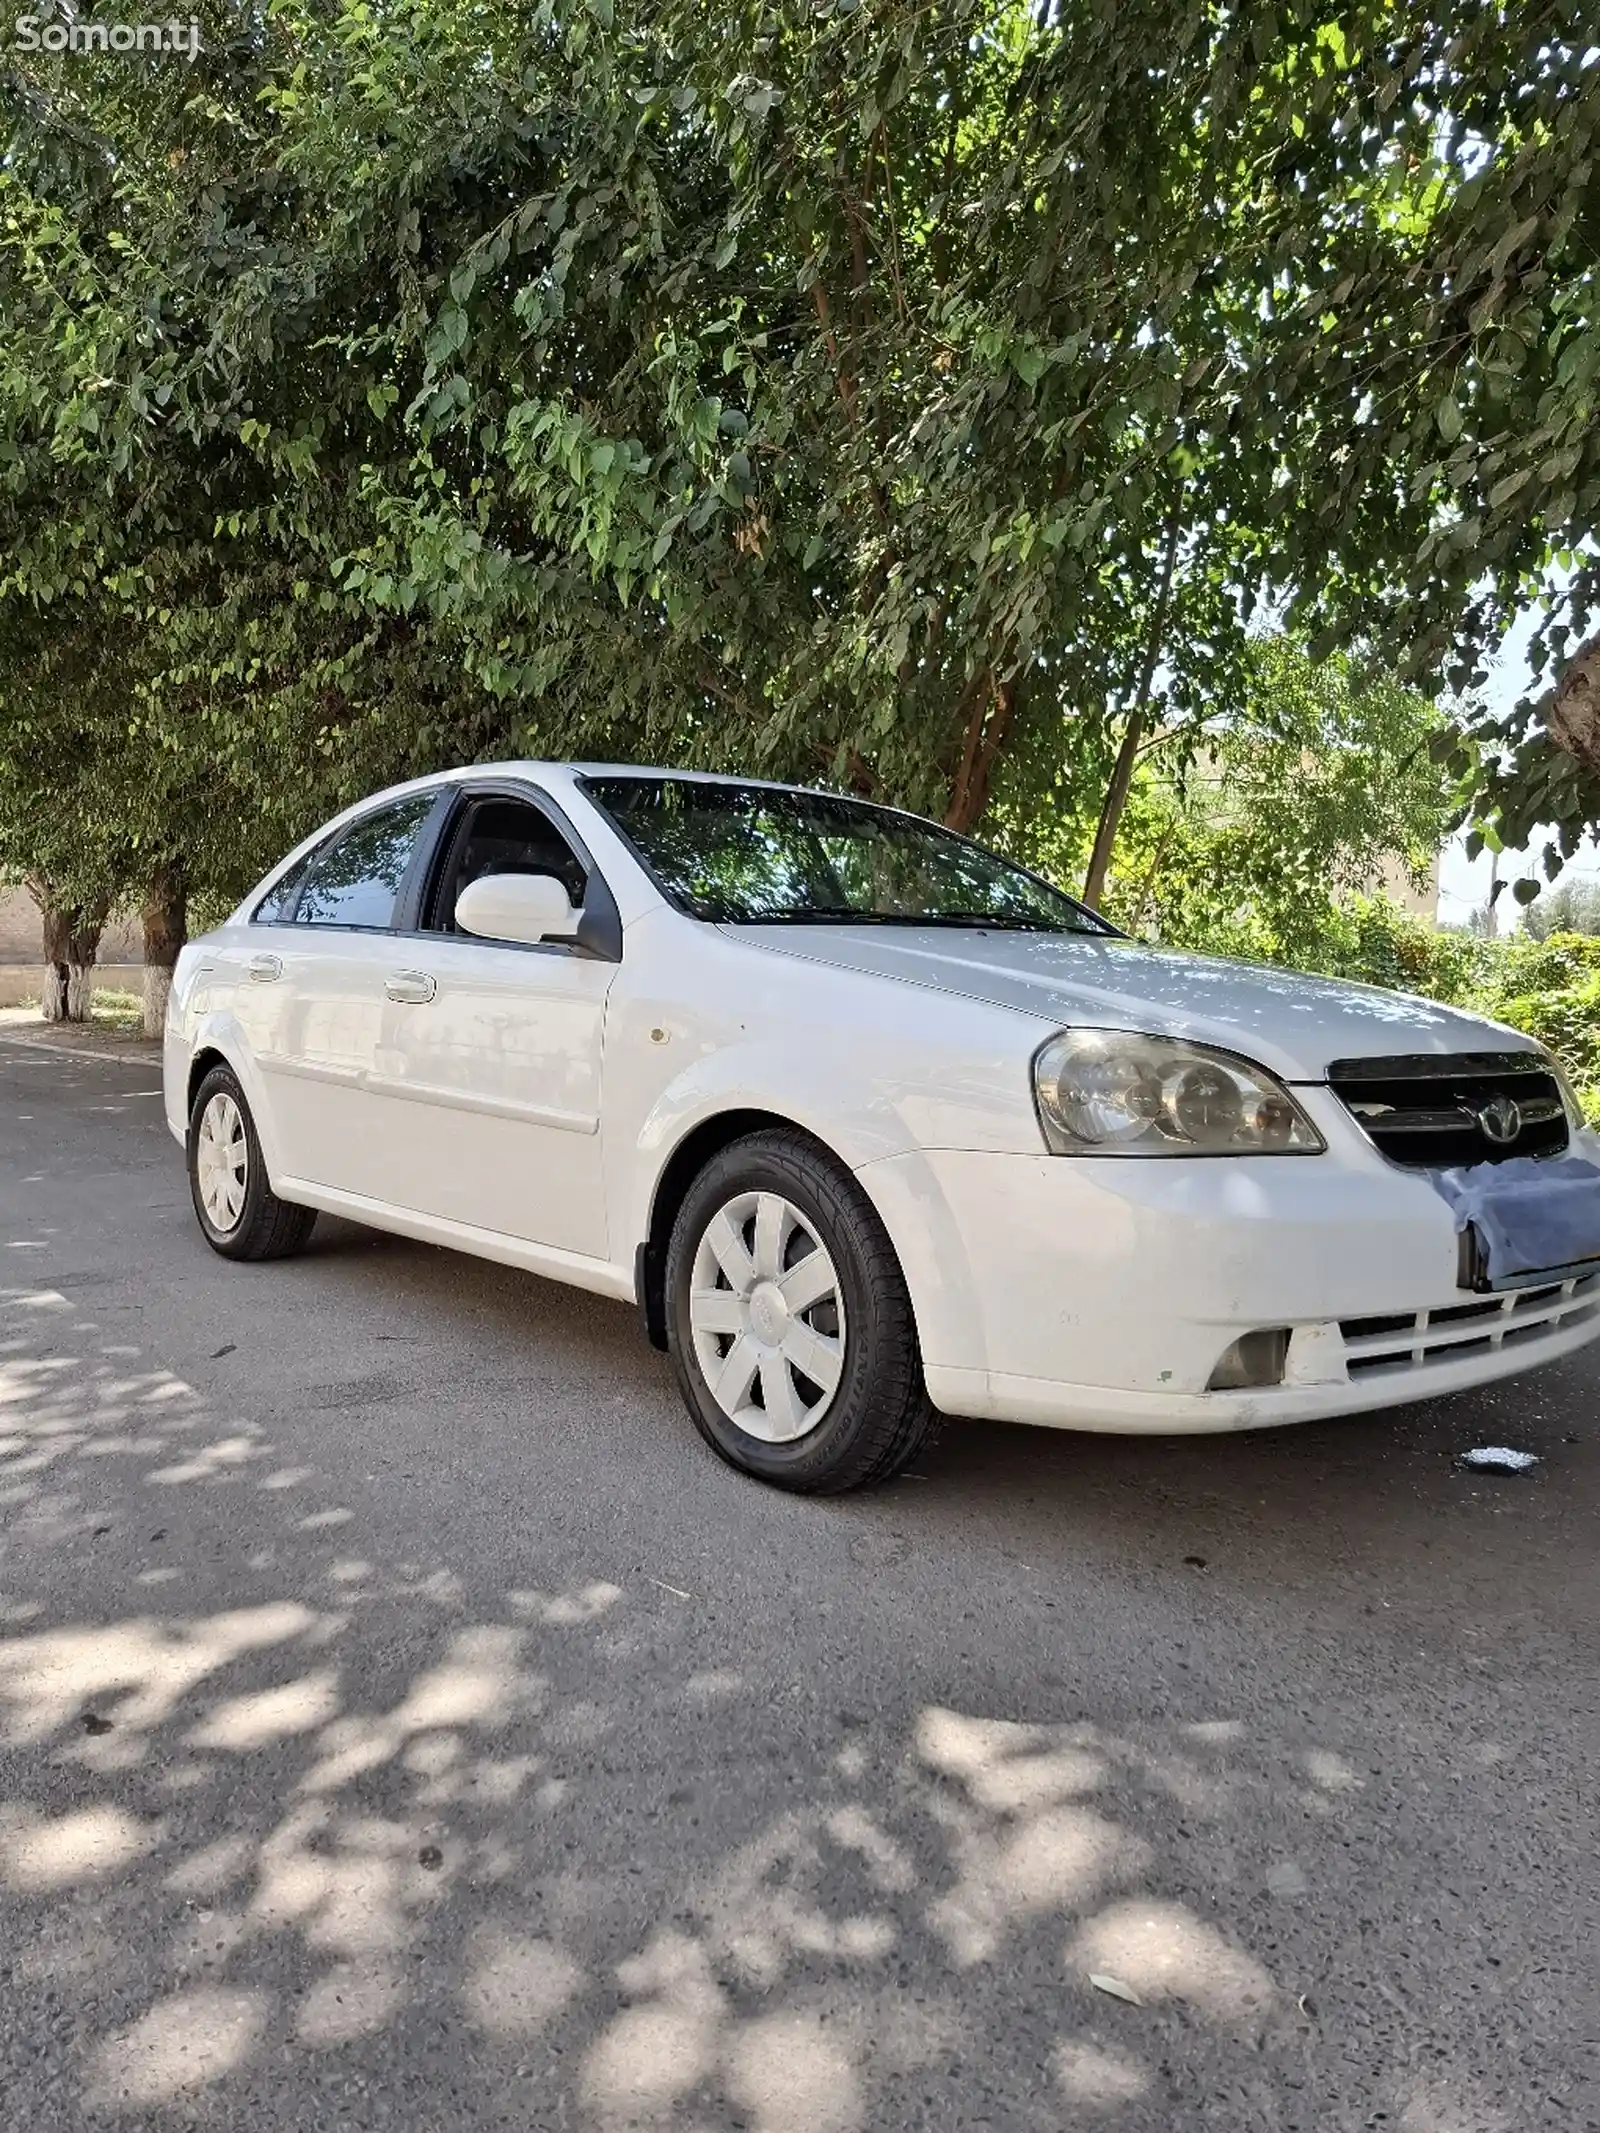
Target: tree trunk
[
  {"x": 71, "y": 937},
  {"x": 1116, "y": 799},
  {"x": 990, "y": 704},
  {"x": 1572, "y": 708},
  {"x": 165, "y": 915},
  {"x": 1105, "y": 836}
]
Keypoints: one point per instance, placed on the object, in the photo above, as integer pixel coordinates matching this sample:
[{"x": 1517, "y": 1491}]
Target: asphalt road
[{"x": 405, "y": 1722}]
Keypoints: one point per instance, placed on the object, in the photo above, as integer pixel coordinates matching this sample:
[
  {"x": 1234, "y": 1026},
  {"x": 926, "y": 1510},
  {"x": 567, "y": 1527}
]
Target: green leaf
[{"x": 1507, "y": 487}]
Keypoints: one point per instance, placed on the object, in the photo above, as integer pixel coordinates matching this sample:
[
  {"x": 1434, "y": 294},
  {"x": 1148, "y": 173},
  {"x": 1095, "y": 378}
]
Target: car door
[
  {"x": 490, "y": 1057},
  {"x": 314, "y": 996}
]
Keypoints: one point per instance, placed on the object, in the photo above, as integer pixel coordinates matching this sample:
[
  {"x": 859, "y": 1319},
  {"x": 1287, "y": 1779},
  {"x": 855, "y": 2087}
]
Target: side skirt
[{"x": 574, "y": 1268}]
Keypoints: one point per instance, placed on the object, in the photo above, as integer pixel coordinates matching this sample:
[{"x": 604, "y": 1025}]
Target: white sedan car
[{"x": 872, "y": 1125}]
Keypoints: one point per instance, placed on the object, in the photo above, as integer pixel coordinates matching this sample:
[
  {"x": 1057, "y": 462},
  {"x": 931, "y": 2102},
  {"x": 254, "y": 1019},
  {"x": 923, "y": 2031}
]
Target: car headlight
[{"x": 1112, "y": 1092}]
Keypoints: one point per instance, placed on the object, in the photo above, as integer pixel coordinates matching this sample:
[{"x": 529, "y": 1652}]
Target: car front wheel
[
  {"x": 240, "y": 1214},
  {"x": 789, "y": 1323}
]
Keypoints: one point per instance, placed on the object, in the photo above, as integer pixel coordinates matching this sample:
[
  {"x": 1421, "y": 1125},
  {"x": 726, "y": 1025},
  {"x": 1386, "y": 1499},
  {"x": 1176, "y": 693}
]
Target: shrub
[
  {"x": 1373, "y": 940},
  {"x": 1549, "y": 989}
]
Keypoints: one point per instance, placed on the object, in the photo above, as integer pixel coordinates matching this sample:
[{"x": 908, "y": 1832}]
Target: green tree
[
  {"x": 1572, "y": 906},
  {"x": 818, "y": 389},
  {"x": 50, "y": 708},
  {"x": 129, "y": 784},
  {"x": 885, "y": 393},
  {"x": 1246, "y": 834},
  {"x": 1437, "y": 323}
]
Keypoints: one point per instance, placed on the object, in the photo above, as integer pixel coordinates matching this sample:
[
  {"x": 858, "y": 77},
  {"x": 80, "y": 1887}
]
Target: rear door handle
[
  {"x": 413, "y": 988},
  {"x": 264, "y": 968}
]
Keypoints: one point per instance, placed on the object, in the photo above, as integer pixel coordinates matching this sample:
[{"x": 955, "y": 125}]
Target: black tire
[
  {"x": 877, "y": 1416},
  {"x": 264, "y": 1227}
]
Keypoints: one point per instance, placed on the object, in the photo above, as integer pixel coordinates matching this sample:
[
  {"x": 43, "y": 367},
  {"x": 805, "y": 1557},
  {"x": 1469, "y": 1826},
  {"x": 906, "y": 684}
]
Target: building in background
[{"x": 1396, "y": 883}]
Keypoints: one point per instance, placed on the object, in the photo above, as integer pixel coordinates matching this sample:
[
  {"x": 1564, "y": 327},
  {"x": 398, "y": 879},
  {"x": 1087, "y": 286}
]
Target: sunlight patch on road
[
  {"x": 650, "y": 2055},
  {"x": 214, "y": 1867},
  {"x": 343, "y": 1888},
  {"x": 45, "y": 1679},
  {"x": 855, "y": 1830},
  {"x": 37, "y": 1856},
  {"x": 566, "y": 1610},
  {"x": 1056, "y": 1861},
  {"x": 474, "y": 1685},
  {"x": 183, "y": 2044},
  {"x": 246, "y": 1722},
  {"x": 224, "y": 1456},
  {"x": 1004, "y": 1765},
  {"x": 1165, "y": 1952},
  {"x": 1433, "y": 2110},
  {"x": 515, "y": 1985},
  {"x": 793, "y": 2077},
  {"x": 1330, "y": 1772}
]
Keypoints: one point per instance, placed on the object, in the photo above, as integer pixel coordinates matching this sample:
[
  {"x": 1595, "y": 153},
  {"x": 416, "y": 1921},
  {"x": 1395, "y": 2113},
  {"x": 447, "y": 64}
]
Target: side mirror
[{"x": 516, "y": 907}]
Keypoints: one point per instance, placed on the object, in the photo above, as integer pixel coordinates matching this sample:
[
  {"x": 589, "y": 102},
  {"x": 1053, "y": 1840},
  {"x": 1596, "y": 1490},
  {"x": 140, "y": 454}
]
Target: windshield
[{"x": 756, "y": 853}]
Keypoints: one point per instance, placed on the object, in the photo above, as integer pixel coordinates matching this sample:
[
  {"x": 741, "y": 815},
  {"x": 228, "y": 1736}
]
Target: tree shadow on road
[{"x": 372, "y": 1844}]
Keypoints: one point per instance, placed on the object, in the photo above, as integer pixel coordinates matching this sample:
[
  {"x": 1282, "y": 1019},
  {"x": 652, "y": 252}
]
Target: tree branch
[{"x": 1105, "y": 836}]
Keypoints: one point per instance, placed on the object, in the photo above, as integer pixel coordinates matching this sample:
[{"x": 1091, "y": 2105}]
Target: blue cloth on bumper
[{"x": 1532, "y": 1214}]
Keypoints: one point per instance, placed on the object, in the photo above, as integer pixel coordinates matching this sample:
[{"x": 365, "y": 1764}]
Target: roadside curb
[{"x": 138, "y": 1051}]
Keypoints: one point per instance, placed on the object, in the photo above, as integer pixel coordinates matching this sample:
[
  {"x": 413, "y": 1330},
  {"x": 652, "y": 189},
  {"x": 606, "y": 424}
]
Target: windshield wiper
[
  {"x": 999, "y": 925},
  {"x": 843, "y": 914}
]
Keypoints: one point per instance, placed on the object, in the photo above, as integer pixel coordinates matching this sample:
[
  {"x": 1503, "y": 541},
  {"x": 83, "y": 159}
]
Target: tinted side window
[
  {"x": 504, "y": 837},
  {"x": 355, "y": 880},
  {"x": 274, "y": 906}
]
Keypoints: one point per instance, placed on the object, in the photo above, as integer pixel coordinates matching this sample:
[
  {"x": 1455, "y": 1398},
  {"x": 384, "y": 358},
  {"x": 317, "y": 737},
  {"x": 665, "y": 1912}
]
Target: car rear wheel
[
  {"x": 240, "y": 1214},
  {"x": 789, "y": 1323}
]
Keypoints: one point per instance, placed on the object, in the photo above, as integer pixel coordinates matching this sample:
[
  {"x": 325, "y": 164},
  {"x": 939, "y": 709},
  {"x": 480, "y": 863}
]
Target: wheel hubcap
[
  {"x": 767, "y": 1316},
  {"x": 221, "y": 1162}
]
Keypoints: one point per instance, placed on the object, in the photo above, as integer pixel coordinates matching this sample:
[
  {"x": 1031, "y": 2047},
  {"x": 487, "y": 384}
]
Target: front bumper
[{"x": 1102, "y": 1294}]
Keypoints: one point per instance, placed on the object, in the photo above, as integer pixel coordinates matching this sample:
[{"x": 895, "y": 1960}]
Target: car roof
[{"x": 633, "y": 770}]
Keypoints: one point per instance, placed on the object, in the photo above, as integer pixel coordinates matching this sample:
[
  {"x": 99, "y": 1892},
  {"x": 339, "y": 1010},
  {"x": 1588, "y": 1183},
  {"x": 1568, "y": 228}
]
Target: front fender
[
  {"x": 851, "y": 1117},
  {"x": 857, "y": 1120}
]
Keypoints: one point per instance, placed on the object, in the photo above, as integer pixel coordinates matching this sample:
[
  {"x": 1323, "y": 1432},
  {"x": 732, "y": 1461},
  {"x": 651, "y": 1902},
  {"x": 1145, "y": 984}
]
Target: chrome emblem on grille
[{"x": 1501, "y": 1120}]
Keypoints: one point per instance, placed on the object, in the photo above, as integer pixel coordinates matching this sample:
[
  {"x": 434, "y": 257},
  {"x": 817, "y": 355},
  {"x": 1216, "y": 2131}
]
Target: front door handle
[
  {"x": 264, "y": 968},
  {"x": 413, "y": 988}
]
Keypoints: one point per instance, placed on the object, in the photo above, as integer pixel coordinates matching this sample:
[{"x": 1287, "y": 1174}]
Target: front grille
[
  {"x": 1412, "y": 1340},
  {"x": 1434, "y": 1113}
]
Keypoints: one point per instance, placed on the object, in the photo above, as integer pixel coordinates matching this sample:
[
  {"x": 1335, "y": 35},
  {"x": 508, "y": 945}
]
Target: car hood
[{"x": 1289, "y": 1022}]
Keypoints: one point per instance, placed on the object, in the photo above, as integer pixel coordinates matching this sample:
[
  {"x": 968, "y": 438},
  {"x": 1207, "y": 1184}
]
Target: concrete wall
[
  {"x": 20, "y": 983},
  {"x": 22, "y": 936}
]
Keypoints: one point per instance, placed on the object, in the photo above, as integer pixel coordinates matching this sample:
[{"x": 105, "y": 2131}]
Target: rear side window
[
  {"x": 275, "y": 906},
  {"x": 355, "y": 880}
]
